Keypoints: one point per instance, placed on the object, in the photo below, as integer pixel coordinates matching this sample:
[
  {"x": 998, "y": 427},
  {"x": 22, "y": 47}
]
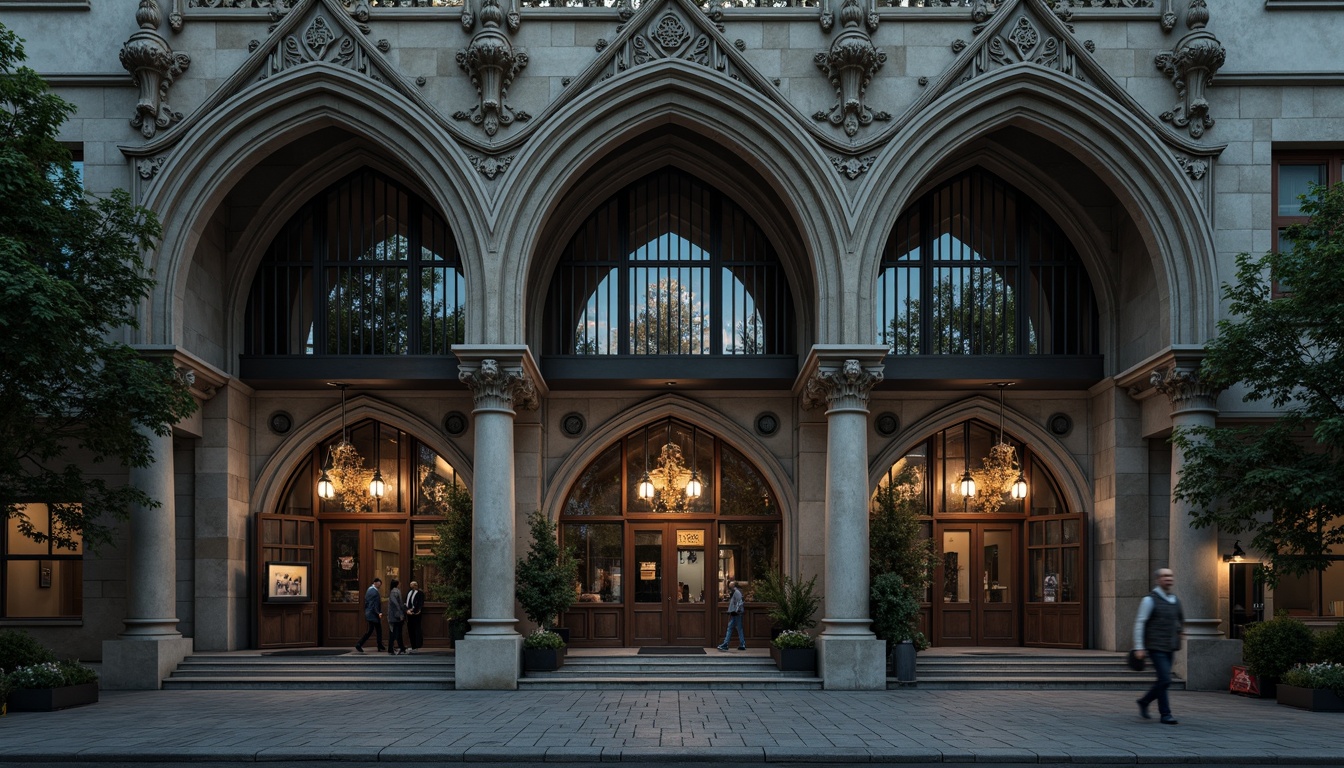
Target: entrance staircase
[
  {"x": 1027, "y": 668},
  {"x": 623, "y": 669},
  {"x": 318, "y": 668}
]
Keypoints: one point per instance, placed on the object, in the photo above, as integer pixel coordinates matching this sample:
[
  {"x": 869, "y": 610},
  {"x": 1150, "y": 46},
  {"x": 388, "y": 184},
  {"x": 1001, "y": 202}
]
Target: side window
[
  {"x": 40, "y": 581},
  {"x": 1295, "y": 174}
]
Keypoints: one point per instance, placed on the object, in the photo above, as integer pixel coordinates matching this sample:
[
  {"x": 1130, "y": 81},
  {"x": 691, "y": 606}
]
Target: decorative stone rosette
[{"x": 154, "y": 67}]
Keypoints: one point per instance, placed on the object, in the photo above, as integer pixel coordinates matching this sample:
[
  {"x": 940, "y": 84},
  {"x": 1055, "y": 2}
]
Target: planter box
[
  {"x": 794, "y": 659},
  {"x": 543, "y": 659},
  {"x": 1314, "y": 699},
  {"x": 51, "y": 699}
]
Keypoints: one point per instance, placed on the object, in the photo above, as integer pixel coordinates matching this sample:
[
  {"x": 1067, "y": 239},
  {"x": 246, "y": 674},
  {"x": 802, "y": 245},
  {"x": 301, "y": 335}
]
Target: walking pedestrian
[
  {"x": 396, "y": 616},
  {"x": 735, "y": 604},
  {"x": 372, "y": 603},
  {"x": 415, "y": 606},
  {"x": 1157, "y": 635}
]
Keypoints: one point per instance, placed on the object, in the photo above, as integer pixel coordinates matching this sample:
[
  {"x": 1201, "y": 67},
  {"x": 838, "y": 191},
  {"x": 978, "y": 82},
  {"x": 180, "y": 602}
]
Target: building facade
[{"x": 694, "y": 280}]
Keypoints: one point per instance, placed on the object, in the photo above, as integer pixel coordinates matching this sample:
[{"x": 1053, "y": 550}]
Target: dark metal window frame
[
  {"x": 1334, "y": 173},
  {"x": 52, "y": 554}
]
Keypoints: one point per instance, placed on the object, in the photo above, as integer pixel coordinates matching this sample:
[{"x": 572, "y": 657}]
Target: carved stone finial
[
  {"x": 492, "y": 63},
  {"x": 1186, "y": 389},
  {"x": 850, "y": 65},
  {"x": 500, "y": 388},
  {"x": 1191, "y": 67},
  {"x": 177, "y": 16},
  {"x": 1168, "y": 16},
  {"x": 844, "y": 387},
  {"x": 154, "y": 67}
]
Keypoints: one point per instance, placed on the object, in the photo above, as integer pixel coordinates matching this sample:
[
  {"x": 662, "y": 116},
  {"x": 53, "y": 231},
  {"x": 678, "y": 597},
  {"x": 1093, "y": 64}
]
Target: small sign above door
[{"x": 691, "y": 538}]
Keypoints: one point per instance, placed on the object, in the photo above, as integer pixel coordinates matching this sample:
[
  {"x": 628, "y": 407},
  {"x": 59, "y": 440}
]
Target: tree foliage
[
  {"x": 971, "y": 313},
  {"x": 671, "y": 321},
  {"x": 546, "y": 577},
  {"x": 450, "y": 555},
  {"x": 1281, "y": 482},
  {"x": 71, "y": 273},
  {"x": 896, "y": 537}
]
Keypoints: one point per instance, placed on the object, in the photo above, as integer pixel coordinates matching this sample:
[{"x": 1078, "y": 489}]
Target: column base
[
  {"x": 852, "y": 663},
  {"x": 488, "y": 663},
  {"x": 141, "y": 665},
  {"x": 1206, "y": 663}
]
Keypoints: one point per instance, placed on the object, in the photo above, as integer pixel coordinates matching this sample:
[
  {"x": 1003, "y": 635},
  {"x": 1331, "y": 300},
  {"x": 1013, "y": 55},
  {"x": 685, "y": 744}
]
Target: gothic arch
[
  {"x": 298, "y": 446},
  {"x": 1137, "y": 164},
  {"x": 690, "y": 411},
  {"x": 602, "y": 129},
  {"x": 219, "y": 150}
]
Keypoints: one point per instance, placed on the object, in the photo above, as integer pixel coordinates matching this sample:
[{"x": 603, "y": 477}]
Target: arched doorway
[
  {"x": 1010, "y": 571},
  {"x": 661, "y": 520},
  {"x": 317, "y": 555}
]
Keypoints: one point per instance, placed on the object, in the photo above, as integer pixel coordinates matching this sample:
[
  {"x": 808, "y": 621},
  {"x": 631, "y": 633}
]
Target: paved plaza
[{"x": 691, "y": 727}]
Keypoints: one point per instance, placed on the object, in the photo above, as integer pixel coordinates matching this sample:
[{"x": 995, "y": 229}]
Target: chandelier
[
  {"x": 669, "y": 485},
  {"x": 345, "y": 475},
  {"x": 999, "y": 473}
]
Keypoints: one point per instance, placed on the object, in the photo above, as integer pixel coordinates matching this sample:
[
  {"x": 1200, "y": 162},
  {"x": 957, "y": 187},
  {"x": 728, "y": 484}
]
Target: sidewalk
[{"x": 907, "y": 726}]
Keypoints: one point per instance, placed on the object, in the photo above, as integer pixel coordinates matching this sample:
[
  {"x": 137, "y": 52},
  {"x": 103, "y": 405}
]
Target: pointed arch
[
  {"x": 298, "y": 445},
  {"x": 1125, "y": 153},
  {"x": 246, "y": 131}
]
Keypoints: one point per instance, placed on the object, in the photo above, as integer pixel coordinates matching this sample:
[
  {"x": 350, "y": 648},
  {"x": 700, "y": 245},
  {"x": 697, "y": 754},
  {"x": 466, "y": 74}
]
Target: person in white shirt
[{"x": 1157, "y": 635}]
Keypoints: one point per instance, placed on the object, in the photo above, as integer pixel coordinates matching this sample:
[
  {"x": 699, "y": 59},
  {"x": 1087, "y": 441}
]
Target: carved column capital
[
  {"x": 154, "y": 67},
  {"x": 1186, "y": 389},
  {"x": 1191, "y": 66},
  {"x": 841, "y": 388},
  {"x": 498, "y": 387}
]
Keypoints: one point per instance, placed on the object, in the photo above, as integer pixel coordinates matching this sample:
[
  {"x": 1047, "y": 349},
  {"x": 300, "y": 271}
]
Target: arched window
[
  {"x": 976, "y": 268},
  {"x": 364, "y": 268},
  {"x": 669, "y": 266}
]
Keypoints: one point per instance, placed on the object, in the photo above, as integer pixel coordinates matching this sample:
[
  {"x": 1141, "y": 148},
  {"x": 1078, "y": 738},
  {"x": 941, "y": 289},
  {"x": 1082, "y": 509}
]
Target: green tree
[
  {"x": 901, "y": 558},
  {"x": 1281, "y": 482},
  {"x": 975, "y": 314},
  {"x": 450, "y": 556},
  {"x": 546, "y": 577},
  {"x": 72, "y": 272},
  {"x": 671, "y": 322}
]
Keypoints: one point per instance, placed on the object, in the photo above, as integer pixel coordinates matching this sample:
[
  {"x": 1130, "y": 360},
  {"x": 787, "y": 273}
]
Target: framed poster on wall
[{"x": 288, "y": 582}]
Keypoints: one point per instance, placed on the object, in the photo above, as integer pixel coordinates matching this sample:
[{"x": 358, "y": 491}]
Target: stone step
[
  {"x": 726, "y": 682},
  {"x": 332, "y": 682},
  {"x": 1029, "y": 683}
]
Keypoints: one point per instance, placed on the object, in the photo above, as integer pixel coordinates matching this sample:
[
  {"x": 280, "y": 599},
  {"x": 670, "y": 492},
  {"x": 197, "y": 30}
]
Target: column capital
[
  {"x": 1186, "y": 388},
  {"x": 840, "y": 376},
  {"x": 500, "y": 377},
  {"x": 201, "y": 378}
]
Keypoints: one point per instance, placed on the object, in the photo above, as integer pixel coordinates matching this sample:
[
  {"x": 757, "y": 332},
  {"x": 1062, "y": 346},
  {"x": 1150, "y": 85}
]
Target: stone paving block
[
  {"x": 333, "y": 754},
  {"x": 817, "y": 755},
  {"x": 503, "y": 754},
  {"x": 419, "y": 755}
]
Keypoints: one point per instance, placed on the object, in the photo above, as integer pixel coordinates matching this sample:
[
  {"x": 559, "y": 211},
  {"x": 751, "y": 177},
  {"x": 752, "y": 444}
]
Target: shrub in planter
[
  {"x": 794, "y": 651},
  {"x": 542, "y": 639},
  {"x": 19, "y": 649},
  {"x": 1273, "y": 647},
  {"x": 1330, "y": 645},
  {"x": 795, "y": 601},
  {"x": 50, "y": 685},
  {"x": 542, "y": 650},
  {"x": 1317, "y": 687},
  {"x": 449, "y": 559},
  {"x": 546, "y": 577},
  {"x": 792, "y": 638}
]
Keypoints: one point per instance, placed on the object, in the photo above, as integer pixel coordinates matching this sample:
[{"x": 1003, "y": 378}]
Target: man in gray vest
[{"x": 1157, "y": 635}]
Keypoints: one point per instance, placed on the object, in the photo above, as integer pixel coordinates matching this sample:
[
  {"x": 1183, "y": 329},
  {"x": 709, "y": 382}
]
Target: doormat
[
  {"x": 672, "y": 650},
  {"x": 309, "y": 652}
]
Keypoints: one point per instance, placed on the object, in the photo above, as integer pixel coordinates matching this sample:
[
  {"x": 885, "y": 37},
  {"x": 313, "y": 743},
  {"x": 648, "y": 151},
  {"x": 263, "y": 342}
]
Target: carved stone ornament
[
  {"x": 320, "y": 41},
  {"x": 1185, "y": 388},
  {"x": 497, "y": 387},
  {"x": 154, "y": 67},
  {"x": 1020, "y": 42},
  {"x": 1191, "y": 67},
  {"x": 852, "y": 167},
  {"x": 491, "y": 167},
  {"x": 850, "y": 65},
  {"x": 844, "y": 387},
  {"x": 492, "y": 64},
  {"x": 670, "y": 35},
  {"x": 149, "y": 167},
  {"x": 1194, "y": 167}
]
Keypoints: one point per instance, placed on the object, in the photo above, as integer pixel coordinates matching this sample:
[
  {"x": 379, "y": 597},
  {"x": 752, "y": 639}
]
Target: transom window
[
  {"x": 669, "y": 266},
  {"x": 976, "y": 268},
  {"x": 364, "y": 268}
]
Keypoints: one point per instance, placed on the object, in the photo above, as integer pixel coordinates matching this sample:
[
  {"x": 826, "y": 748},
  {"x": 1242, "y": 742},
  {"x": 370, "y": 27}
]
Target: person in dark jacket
[
  {"x": 396, "y": 616},
  {"x": 373, "y": 615},
  {"x": 415, "y": 616},
  {"x": 735, "y": 605},
  {"x": 1157, "y": 635}
]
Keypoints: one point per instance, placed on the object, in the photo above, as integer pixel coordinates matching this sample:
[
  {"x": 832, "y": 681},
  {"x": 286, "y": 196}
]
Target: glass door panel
[
  {"x": 692, "y": 623},
  {"x": 648, "y": 616}
]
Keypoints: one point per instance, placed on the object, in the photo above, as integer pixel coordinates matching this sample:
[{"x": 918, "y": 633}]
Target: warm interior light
[
  {"x": 325, "y": 488},
  {"x": 693, "y": 487},
  {"x": 376, "y": 486},
  {"x": 967, "y": 484},
  {"x": 646, "y": 487},
  {"x": 1020, "y": 487},
  {"x": 1237, "y": 554}
]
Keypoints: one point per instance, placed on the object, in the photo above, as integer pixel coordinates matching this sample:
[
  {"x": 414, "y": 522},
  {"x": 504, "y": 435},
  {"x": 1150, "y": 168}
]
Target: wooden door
[
  {"x": 355, "y": 554},
  {"x": 673, "y": 588},
  {"x": 977, "y": 595}
]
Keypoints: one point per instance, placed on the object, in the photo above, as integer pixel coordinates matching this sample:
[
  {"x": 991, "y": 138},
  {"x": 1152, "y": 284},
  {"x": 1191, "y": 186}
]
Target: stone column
[
  {"x": 150, "y": 647},
  {"x": 840, "y": 377},
  {"x": 500, "y": 378},
  {"x": 1206, "y": 657}
]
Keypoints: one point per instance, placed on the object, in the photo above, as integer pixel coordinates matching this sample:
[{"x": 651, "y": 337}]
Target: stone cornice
[
  {"x": 204, "y": 379},
  {"x": 1137, "y": 379}
]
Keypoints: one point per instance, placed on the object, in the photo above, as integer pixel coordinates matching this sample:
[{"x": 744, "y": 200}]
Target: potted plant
[
  {"x": 50, "y": 686},
  {"x": 1317, "y": 687},
  {"x": 450, "y": 555},
  {"x": 543, "y": 651},
  {"x": 1271, "y": 648},
  {"x": 795, "y": 603},
  {"x": 901, "y": 562},
  {"x": 546, "y": 576}
]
